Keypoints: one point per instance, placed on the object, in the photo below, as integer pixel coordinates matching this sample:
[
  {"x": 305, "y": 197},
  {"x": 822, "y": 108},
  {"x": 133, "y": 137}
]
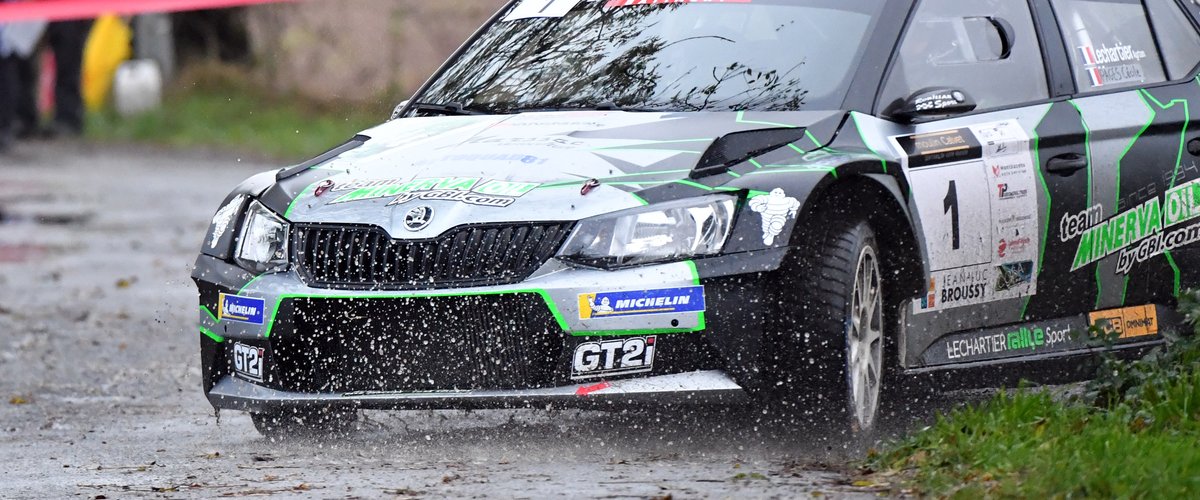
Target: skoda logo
[{"x": 418, "y": 218}]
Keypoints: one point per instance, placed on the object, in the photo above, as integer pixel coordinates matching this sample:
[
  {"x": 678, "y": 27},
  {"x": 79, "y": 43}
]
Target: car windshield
[{"x": 758, "y": 55}]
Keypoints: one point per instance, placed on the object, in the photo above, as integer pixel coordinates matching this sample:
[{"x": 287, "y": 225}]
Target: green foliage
[
  {"x": 223, "y": 109},
  {"x": 1135, "y": 434}
]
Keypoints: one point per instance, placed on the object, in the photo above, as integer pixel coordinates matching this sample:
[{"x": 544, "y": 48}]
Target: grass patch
[
  {"x": 1135, "y": 433},
  {"x": 219, "y": 107}
]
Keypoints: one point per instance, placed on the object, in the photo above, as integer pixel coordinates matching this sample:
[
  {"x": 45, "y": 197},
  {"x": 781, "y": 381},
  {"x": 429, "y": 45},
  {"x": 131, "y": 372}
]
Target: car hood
[{"x": 526, "y": 167}]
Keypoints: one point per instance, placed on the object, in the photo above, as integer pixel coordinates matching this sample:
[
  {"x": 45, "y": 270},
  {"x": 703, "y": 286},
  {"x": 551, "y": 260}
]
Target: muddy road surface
[{"x": 100, "y": 378}]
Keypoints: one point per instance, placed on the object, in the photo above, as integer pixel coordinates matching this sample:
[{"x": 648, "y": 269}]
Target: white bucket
[{"x": 137, "y": 87}]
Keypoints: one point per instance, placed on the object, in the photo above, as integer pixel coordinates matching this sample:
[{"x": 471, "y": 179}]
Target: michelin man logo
[{"x": 776, "y": 208}]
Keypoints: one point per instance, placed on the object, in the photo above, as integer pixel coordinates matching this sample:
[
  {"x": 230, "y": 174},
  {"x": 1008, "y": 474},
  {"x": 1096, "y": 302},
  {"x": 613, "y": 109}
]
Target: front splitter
[{"x": 700, "y": 387}]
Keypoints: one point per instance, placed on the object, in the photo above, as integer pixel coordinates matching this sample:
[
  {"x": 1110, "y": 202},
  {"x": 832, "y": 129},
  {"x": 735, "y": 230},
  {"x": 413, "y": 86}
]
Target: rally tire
[{"x": 831, "y": 360}]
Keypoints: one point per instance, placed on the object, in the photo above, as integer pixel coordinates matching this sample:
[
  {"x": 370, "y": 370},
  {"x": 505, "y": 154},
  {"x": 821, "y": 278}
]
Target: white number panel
[{"x": 974, "y": 190}]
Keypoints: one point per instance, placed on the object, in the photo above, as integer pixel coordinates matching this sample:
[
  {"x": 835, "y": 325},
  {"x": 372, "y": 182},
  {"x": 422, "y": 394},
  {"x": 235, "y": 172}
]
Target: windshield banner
[{"x": 61, "y": 10}]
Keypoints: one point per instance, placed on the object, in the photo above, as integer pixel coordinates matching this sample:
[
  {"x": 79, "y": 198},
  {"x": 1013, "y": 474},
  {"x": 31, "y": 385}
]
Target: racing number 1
[{"x": 950, "y": 205}]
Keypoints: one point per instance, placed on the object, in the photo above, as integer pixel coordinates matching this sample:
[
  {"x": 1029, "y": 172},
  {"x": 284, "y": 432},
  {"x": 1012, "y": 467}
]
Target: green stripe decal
[
  {"x": 1037, "y": 167},
  {"x": 701, "y": 322},
  {"x": 639, "y": 199},
  {"x": 206, "y": 310},
  {"x": 216, "y": 338},
  {"x": 882, "y": 161}
]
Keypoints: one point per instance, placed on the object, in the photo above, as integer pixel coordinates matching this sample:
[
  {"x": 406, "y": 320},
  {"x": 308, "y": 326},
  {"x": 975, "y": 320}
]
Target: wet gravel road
[{"x": 100, "y": 377}]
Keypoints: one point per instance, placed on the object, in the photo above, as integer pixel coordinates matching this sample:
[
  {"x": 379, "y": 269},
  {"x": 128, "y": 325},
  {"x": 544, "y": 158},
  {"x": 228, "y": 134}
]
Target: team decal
[
  {"x": 608, "y": 358},
  {"x": 1126, "y": 323},
  {"x": 241, "y": 309},
  {"x": 1113, "y": 65},
  {"x": 641, "y": 302},
  {"x": 248, "y": 361},
  {"x": 529, "y": 9},
  {"x": 776, "y": 208},
  {"x": 975, "y": 191},
  {"x": 470, "y": 190},
  {"x": 1137, "y": 234}
]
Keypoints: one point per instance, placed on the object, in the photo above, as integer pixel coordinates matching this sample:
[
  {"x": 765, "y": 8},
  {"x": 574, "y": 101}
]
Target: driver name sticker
[{"x": 529, "y": 9}]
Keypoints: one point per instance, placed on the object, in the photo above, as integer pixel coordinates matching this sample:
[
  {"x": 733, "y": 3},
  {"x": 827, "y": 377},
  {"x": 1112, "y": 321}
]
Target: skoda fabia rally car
[{"x": 816, "y": 201}]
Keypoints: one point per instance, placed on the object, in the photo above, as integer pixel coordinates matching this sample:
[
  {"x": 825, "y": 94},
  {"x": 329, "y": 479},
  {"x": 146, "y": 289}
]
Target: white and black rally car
[{"x": 692, "y": 201}]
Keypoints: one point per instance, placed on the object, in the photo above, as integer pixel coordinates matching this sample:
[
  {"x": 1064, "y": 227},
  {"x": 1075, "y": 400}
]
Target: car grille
[
  {"x": 366, "y": 257},
  {"x": 419, "y": 344}
]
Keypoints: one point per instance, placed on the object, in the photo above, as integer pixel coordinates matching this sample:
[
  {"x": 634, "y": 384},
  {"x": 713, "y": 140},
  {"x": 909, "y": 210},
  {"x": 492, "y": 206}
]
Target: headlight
[
  {"x": 666, "y": 232},
  {"x": 263, "y": 245}
]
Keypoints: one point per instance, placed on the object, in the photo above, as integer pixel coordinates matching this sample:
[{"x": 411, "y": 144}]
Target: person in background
[{"x": 67, "y": 39}]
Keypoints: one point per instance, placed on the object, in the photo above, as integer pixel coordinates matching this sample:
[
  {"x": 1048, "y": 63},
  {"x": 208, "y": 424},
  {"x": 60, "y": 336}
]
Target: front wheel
[{"x": 831, "y": 328}]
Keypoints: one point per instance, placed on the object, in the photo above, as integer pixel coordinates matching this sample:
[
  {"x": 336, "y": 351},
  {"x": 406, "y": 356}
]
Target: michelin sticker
[
  {"x": 974, "y": 189},
  {"x": 241, "y": 309},
  {"x": 776, "y": 208},
  {"x": 641, "y": 302}
]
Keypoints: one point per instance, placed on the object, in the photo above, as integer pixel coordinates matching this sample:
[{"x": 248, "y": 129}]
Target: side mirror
[
  {"x": 936, "y": 102},
  {"x": 398, "y": 109}
]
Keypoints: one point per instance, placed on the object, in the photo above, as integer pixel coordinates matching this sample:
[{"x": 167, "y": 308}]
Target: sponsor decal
[
  {"x": 1013, "y": 246},
  {"x": 641, "y": 302},
  {"x": 1112, "y": 65},
  {"x": 609, "y": 358},
  {"x": 1001, "y": 170},
  {"x": 248, "y": 361},
  {"x": 776, "y": 208},
  {"x": 627, "y": 3},
  {"x": 498, "y": 157},
  {"x": 1007, "y": 193},
  {"x": 224, "y": 218},
  {"x": 471, "y": 190},
  {"x": 534, "y": 142},
  {"x": 241, "y": 309},
  {"x": 929, "y": 301},
  {"x": 1139, "y": 233},
  {"x": 1009, "y": 342},
  {"x": 935, "y": 148},
  {"x": 1126, "y": 323},
  {"x": 1010, "y": 276}
]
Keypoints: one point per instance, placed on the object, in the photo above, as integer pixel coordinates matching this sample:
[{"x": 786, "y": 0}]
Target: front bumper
[{"x": 502, "y": 346}]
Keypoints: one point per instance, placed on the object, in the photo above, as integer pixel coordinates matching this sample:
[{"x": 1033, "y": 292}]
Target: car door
[
  {"x": 980, "y": 191},
  {"x": 1136, "y": 236}
]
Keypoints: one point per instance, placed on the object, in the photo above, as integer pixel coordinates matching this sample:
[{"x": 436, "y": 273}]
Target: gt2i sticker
[
  {"x": 1009, "y": 342},
  {"x": 975, "y": 193},
  {"x": 1126, "y": 323},
  {"x": 776, "y": 208},
  {"x": 610, "y": 358},
  {"x": 1113, "y": 65},
  {"x": 1137, "y": 234},
  {"x": 470, "y": 190},
  {"x": 241, "y": 309},
  {"x": 641, "y": 302},
  {"x": 248, "y": 361},
  {"x": 529, "y": 9}
]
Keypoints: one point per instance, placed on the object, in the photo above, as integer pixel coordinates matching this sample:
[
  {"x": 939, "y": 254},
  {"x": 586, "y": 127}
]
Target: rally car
[{"x": 639, "y": 201}]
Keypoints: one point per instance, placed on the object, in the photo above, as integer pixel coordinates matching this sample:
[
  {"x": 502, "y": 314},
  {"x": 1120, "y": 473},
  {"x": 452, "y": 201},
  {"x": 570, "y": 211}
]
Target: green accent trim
[
  {"x": 814, "y": 140},
  {"x": 1121, "y": 159},
  {"x": 622, "y": 176},
  {"x": 701, "y": 321},
  {"x": 756, "y": 194},
  {"x": 1037, "y": 167},
  {"x": 287, "y": 215},
  {"x": 1187, "y": 121},
  {"x": 797, "y": 149},
  {"x": 736, "y": 176},
  {"x": 639, "y": 199},
  {"x": 1178, "y": 277},
  {"x": 630, "y": 333},
  {"x": 696, "y": 185},
  {"x": 216, "y": 338},
  {"x": 861, "y": 136},
  {"x": 755, "y": 163},
  {"x": 826, "y": 170},
  {"x": 206, "y": 310},
  {"x": 1087, "y": 141},
  {"x": 1124, "y": 291},
  {"x": 251, "y": 282},
  {"x": 741, "y": 119}
]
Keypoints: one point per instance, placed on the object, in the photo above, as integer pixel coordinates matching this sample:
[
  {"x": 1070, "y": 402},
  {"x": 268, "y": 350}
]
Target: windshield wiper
[{"x": 450, "y": 108}]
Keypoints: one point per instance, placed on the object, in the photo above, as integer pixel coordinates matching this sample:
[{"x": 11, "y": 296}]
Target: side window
[
  {"x": 1176, "y": 36},
  {"x": 1111, "y": 43},
  {"x": 987, "y": 49}
]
